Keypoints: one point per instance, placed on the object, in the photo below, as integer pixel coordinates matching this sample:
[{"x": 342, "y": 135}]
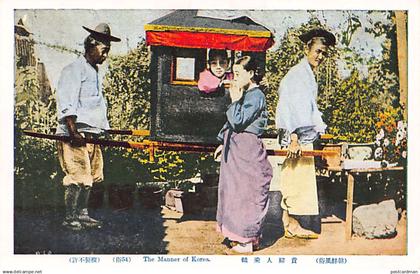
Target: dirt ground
[
  {"x": 159, "y": 230},
  {"x": 199, "y": 237}
]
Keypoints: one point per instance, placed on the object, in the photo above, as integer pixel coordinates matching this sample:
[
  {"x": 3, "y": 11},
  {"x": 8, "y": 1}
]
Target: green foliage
[
  {"x": 354, "y": 114},
  {"x": 36, "y": 165},
  {"x": 127, "y": 89},
  {"x": 353, "y": 23},
  {"x": 388, "y": 30}
]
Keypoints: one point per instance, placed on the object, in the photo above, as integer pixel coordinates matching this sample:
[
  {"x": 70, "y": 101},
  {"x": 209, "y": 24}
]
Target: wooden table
[{"x": 350, "y": 190}]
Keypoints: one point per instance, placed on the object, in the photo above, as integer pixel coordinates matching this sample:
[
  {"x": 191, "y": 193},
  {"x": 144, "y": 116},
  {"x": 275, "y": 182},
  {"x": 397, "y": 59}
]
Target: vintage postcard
[{"x": 188, "y": 137}]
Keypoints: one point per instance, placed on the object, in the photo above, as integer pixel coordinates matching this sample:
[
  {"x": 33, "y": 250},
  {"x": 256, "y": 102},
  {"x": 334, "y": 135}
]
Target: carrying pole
[{"x": 152, "y": 146}]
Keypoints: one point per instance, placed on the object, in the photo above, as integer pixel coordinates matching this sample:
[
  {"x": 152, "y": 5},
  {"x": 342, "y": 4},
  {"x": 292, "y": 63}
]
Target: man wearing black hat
[
  {"x": 300, "y": 123},
  {"x": 81, "y": 111}
]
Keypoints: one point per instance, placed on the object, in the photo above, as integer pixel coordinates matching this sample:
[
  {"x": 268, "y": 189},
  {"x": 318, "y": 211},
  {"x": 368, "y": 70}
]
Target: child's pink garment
[{"x": 209, "y": 83}]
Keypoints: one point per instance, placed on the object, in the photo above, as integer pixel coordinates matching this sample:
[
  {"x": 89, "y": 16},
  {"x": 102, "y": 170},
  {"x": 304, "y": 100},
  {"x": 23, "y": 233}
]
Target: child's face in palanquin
[
  {"x": 241, "y": 77},
  {"x": 218, "y": 66}
]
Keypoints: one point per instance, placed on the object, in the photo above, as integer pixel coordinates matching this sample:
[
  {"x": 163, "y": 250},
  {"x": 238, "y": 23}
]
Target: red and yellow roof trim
[
  {"x": 249, "y": 33},
  {"x": 215, "y": 38}
]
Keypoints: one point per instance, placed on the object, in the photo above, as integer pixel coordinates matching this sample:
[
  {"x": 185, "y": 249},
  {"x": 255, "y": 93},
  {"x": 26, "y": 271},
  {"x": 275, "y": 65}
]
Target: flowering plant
[{"x": 391, "y": 141}]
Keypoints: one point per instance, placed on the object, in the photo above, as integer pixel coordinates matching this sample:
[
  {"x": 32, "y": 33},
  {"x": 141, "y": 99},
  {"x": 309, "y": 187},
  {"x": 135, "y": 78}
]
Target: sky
[{"x": 64, "y": 28}]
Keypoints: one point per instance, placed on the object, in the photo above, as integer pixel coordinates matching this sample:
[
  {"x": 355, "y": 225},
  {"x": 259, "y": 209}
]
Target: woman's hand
[
  {"x": 218, "y": 153},
  {"x": 294, "y": 150},
  {"x": 226, "y": 83},
  {"x": 235, "y": 91}
]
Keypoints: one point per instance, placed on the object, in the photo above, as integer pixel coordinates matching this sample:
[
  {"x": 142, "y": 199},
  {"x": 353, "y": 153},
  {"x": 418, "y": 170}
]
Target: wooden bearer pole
[{"x": 401, "y": 21}]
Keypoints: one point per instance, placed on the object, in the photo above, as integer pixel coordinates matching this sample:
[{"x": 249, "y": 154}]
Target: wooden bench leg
[{"x": 349, "y": 207}]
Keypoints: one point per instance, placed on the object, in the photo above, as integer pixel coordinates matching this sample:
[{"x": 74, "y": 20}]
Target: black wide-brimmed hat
[
  {"x": 102, "y": 32},
  {"x": 329, "y": 37}
]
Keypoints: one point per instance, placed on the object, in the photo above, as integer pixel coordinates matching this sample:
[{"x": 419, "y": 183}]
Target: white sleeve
[{"x": 68, "y": 92}]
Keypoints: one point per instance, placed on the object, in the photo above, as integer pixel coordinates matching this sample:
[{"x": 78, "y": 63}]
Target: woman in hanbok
[{"x": 245, "y": 172}]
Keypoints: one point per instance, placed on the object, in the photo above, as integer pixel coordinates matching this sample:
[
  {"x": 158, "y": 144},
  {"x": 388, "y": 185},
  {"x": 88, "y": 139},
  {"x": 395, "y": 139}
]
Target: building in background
[{"x": 25, "y": 58}]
